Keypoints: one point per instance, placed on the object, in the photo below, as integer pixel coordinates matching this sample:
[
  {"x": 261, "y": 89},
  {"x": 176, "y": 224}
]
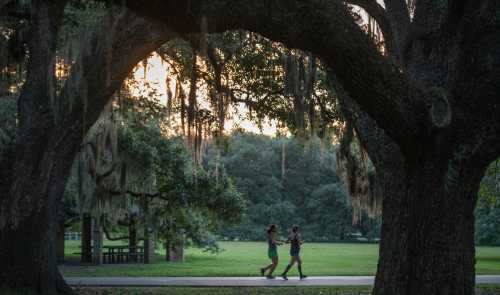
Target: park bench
[
  {"x": 120, "y": 254},
  {"x": 123, "y": 254}
]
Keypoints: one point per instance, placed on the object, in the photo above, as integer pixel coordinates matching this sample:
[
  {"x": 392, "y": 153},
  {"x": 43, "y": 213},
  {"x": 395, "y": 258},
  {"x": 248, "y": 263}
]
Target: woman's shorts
[
  {"x": 294, "y": 251},
  {"x": 272, "y": 253}
]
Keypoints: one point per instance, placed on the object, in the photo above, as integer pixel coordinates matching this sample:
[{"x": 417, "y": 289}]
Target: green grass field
[
  {"x": 343, "y": 290},
  {"x": 346, "y": 290},
  {"x": 245, "y": 259}
]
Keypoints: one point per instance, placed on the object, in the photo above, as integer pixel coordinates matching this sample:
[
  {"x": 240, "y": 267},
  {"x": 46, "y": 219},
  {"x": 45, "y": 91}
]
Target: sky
[{"x": 156, "y": 74}]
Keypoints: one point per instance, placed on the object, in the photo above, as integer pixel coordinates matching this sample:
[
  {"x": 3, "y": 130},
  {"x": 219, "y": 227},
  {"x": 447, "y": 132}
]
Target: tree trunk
[
  {"x": 427, "y": 244},
  {"x": 48, "y": 138},
  {"x": 42, "y": 159},
  {"x": 86, "y": 238},
  {"x": 28, "y": 219},
  {"x": 28, "y": 235}
]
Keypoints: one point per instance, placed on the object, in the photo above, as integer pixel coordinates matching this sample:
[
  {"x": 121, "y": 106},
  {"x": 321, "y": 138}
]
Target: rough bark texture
[
  {"x": 428, "y": 247},
  {"x": 438, "y": 111},
  {"x": 27, "y": 226},
  {"x": 49, "y": 137}
]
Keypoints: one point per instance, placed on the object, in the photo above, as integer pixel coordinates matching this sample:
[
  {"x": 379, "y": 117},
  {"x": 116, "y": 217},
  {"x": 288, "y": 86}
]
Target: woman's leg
[
  {"x": 264, "y": 269},
  {"x": 273, "y": 266}
]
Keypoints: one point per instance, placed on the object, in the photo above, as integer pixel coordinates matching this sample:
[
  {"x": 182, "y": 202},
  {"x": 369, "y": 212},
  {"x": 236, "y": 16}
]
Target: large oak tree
[
  {"x": 427, "y": 115},
  {"x": 51, "y": 127}
]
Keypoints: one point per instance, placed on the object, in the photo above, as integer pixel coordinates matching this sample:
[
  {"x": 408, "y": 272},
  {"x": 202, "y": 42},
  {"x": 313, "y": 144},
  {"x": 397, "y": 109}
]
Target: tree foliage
[{"x": 308, "y": 192}]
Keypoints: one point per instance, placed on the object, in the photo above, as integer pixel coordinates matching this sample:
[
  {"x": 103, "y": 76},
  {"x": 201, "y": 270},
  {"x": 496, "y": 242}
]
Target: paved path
[{"x": 235, "y": 281}]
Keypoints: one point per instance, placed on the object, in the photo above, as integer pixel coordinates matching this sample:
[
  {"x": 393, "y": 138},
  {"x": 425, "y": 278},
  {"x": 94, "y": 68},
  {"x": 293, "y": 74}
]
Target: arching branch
[
  {"x": 376, "y": 11},
  {"x": 399, "y": 20},
  {"x": 379, "y": 88},
  {"x": 103, "y": 66}
]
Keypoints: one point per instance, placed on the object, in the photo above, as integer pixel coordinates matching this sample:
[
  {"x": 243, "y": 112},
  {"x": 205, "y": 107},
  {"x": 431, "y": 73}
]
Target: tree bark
[
  {"x": 28, "y": 224},
  {"x": 49, "y": 137},
  {"x": 427, "y": 244},
  {"x": 427, "y": 239},
  {"x": 361, "y": 69}
]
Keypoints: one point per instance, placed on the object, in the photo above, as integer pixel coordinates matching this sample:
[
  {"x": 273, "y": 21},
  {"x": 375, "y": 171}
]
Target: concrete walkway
[{"x": 235, "y": 281}]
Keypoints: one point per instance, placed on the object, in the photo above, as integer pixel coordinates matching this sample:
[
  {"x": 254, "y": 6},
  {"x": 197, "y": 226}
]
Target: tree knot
[{"x": 439, "y": 107}]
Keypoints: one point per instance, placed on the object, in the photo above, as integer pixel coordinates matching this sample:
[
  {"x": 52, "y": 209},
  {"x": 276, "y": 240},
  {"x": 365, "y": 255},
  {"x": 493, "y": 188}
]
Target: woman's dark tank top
[{"x": 294, "y": 242}]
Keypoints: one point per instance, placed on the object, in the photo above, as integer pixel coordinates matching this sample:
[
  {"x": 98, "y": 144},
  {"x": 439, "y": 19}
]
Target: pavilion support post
[
  {"x": 98, "y": 241},
  {"x": 86, "y": 239},
  {"x": 175, "y": 250},
  {"x": 149, "y": 246},
  {"x": 149, "y": 238},
  {"x": 60, "y": 242},
  {"x": 132, "y": 237}
]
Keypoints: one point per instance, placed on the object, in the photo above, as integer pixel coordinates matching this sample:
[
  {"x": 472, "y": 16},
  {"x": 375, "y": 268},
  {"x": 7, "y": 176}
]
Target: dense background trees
[
  {"x": 301, "y": 187},
  {"x": 424, "y": 107},
  {"x": 488, "y": 207}
]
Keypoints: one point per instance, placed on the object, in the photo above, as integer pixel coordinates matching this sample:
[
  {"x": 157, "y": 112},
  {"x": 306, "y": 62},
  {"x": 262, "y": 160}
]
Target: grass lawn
[
  {"x": 229, "y": 291},
  {"x": 481, "y": 290},
  {"x": 245, "y": 259},
  {"x": 344, "y": 290}
]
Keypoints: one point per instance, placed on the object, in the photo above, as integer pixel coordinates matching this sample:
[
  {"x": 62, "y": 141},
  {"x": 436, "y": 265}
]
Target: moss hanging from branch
[
  {"x": 363, "y": 188},
  {"x": 192, "y": 102},
  {"x": 181, "y": 96},
  {"x": 170, "y": 98},
  {"x": 299, "y": 78}
]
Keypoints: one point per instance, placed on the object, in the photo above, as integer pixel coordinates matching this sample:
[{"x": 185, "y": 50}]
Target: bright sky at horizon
[{"x": 154, "y": 78}]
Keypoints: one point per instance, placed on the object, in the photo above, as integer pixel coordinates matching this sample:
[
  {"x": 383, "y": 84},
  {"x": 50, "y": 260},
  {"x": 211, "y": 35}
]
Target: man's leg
[
  {"x": 292, "y": 262},
  {"x": 299, "y": 265}
]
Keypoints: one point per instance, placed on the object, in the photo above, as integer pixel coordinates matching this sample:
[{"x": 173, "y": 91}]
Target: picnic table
[{"x": 122, "y": 253}]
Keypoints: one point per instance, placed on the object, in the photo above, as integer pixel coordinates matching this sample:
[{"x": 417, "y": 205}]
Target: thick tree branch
[
  {"x": 103, "y": 65},
  {"x": 383, "y": 152},
  {"x": 399, "y": 18},
  {"x": 376, "y": 11},
  {"x": 322, "y": 27},
  {"x": 474, "y": 82},
  {"x": 46, "y": 19}
]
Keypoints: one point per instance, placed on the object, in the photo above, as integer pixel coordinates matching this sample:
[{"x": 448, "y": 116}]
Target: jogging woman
[
  {"x": 272, "y": 251},
  {"x": 295, "y": 242}
]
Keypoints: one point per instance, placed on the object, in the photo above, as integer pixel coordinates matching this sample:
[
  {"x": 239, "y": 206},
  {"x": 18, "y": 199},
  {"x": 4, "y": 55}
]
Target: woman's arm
[{"x": 299, "y": 238}]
